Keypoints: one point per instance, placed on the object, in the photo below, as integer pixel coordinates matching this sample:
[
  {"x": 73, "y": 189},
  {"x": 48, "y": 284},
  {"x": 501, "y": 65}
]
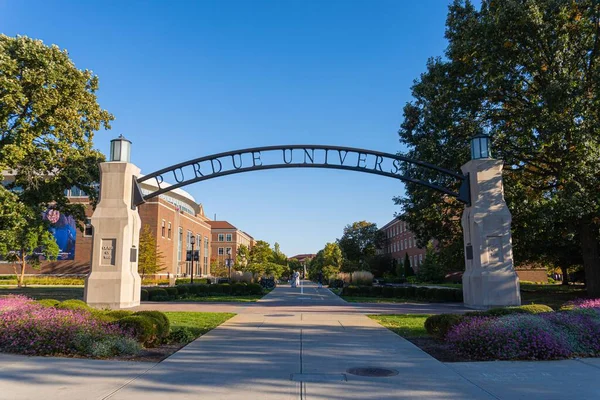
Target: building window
[
  {"x": 205, "y": 255},
  {"x": 228, "y": 251},
  {"x": 189, "y": 240},
  {"x": 169, "y": 232},
  {"x": 420, "y": 259},
  {"x": 220, "y": 251},
  {"x": 228, "y": 237},
  {"x": 221, "y": 237},
  {"x": 180, "y": 244},
  {"x": 89, "y": 230},
  {"x": 162, "y": 228},
  {"x": 405, "y": 244}
]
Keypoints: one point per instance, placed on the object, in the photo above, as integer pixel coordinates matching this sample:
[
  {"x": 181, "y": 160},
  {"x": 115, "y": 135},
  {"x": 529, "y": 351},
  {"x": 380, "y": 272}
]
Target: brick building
[
  {"x": 401, "y": 241},
  {"x": 173, "y": 217},
  {"x": 226, "y": 240}
]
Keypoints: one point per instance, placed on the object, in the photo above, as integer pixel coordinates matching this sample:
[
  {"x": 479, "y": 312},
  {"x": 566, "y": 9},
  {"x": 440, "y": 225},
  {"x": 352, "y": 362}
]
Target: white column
[
  {"x": 114, "y": 281},
  {"x": 490, "y": 279}
]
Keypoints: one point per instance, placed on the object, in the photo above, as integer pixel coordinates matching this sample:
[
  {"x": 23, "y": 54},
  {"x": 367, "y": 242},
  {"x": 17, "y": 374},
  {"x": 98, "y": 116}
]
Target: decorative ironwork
[{"x": 297, "y": 156}]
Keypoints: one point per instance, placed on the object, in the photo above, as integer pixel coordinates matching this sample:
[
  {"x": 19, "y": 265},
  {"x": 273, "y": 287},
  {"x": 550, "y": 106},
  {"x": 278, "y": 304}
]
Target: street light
[
  {"x": 229, "y": 262},
  {"x": 193, "y": 242},
  {"x": 480, "y": 147},
  {"x": 120, "y": 149}
]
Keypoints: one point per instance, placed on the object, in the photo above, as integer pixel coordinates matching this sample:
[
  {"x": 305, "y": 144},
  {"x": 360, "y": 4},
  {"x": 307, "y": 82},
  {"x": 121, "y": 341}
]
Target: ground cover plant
[
  {"x": 529, "y": 332},
  {"x": 72, "y": 328},
  {"x": 11, "y": 280}
]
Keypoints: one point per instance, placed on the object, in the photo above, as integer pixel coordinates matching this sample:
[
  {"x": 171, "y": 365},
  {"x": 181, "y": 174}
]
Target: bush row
[
  {"x": 531, "y": 332},
  {"x": 190, "y": 291},
  {"x": 405, "y": 292}
]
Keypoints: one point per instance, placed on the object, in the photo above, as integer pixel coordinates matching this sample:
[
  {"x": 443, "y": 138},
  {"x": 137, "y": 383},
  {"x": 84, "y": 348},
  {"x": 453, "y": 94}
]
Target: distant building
[
  {"x": 401, "y": 241},
  {"x": 226, "y": 240},
  {"x": 303, "y": 257}
]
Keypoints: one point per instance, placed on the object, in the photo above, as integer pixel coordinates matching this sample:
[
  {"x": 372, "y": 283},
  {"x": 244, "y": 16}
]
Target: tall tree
[
  {"x": 242, "y": 257},
  {"x": 48, "y": 116},
  {"x": 151, "y": 259},
  {"x": 527, "y": 73},
  {"x": 358, "y": 243},
  {"x": 278, "y": 257}
]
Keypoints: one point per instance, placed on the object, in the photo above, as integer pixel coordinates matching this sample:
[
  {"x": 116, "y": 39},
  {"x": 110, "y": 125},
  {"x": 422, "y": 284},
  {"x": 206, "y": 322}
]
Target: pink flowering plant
[
  {"x": 583, "y": 303},
  {"x": 28, "y": 327},
  {"x": 511, "y": 337}
]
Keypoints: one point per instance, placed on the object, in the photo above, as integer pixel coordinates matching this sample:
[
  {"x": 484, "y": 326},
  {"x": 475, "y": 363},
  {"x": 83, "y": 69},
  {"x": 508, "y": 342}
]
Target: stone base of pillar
[
  {"x": 488, "y": 289},
  {"x": 114, "y": 281}
]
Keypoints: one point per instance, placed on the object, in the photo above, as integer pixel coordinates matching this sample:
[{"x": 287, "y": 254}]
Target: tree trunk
[
  {"x": 565, "y": 277},
  {"x": 591, "y": 257},
  {"x": 21, "y": 279}
]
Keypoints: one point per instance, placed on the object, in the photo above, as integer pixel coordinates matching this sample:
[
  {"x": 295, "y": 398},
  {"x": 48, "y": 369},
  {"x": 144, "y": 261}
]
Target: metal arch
[{"x": 462, "y": 195}]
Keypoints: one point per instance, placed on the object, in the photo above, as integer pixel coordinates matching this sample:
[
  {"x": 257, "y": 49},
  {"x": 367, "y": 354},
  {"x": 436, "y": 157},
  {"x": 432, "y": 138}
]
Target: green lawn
[
  {"x": 405, "y": 325},
  {"x": 249, "y": 298},
  {"x": 550, "y": 295},
  {"x": 46, "y": 292},
  {"x": 198, "y": 322}
]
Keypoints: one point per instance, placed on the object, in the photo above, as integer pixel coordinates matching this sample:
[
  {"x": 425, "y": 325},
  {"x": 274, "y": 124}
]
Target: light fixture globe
[
  {"x": 480, "y": 147},
  {"x": 120, "y": 149}
]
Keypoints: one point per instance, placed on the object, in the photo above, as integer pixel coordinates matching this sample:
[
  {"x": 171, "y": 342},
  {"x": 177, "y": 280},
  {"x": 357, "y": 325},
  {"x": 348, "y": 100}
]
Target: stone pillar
[
  {"x": 114, "y": 281},
  {"x": 490, "y": 279}
]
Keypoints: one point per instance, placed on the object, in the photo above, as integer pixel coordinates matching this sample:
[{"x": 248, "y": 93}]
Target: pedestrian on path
[{"x": 320, "y": 279}]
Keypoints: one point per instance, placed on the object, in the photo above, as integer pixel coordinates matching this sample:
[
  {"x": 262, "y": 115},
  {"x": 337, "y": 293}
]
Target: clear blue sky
[{"x": 187, "y": 79}]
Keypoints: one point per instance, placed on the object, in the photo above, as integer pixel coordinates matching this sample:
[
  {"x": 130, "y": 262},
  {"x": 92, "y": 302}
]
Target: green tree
[
  {"x": 261, "y": 253},
  {"x": 431, "y": 270},
  {"x": 526, "y": 73},
  {"x": 278, "y": 257},
  {"x": 358, "y": 243},
  {"x": 150, "y": 260},
  {"x": 48, "y": 116},
  {"x": 242, "y": 257}
]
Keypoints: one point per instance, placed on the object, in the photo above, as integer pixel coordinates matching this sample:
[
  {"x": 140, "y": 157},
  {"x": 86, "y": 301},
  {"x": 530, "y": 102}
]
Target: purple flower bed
[
  {"x": 27, "y": 327},
  {"x": 544, "y": 336},
  {"x": 584, "y": 303}
]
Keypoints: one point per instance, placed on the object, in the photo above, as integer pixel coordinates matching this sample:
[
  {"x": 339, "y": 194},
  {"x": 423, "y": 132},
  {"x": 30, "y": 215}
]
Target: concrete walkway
[{"x": 292, "y": 346}]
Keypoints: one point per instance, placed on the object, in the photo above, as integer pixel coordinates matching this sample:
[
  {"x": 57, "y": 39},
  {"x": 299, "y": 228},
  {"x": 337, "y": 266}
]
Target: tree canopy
[{"x": 527, "y": 74}]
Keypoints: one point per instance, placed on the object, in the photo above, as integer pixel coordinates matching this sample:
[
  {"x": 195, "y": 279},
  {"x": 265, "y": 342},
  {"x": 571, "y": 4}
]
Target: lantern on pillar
[
  {"x": 120, "y": 149},
  {"x": 480, "y": 147}
]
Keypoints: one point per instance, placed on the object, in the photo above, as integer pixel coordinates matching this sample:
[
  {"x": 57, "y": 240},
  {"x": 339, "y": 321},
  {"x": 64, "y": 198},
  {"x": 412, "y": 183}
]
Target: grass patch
[
  {"x": 249, "y": 298},
  {"x": 198, "y": 322},
  {"x": 49, "y": 292},
  {"x": 552, "y": 295},
  {"x": 405, "y": 325}
]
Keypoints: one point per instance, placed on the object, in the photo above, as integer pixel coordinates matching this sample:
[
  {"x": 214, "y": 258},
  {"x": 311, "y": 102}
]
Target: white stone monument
[
  {"x": 490, "y": 279},
  {"x": 114, "y": 281}
]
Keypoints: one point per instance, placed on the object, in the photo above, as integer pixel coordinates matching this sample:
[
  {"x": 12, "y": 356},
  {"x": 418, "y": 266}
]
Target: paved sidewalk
[{"x": 275, "y": 351}]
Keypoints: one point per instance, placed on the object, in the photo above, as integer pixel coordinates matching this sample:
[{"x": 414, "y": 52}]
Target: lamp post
[
  {"x": 120, "y": 149},
  {"x": 229, "y": 262},
  {"x": 480, "y": 147},
  {"x": 193, "y": 242}
]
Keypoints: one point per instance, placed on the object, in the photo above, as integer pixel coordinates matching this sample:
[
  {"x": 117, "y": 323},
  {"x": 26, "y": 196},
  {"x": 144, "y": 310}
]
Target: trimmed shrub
[
  {"x": 350, "y": 291},
  {"x": 411, "y": 292},
  {"x": 48, "y": 302},
  {"x": 254, "y": 288},
  {"x": 421, "y": 293},
  {"x": 182, "y": 290},
  {"x": 172, "y": 292},
  {"x": 144, "y": 295},
  {"x": 107, "y": 346},
  {"x": 400, "y": 292},
  {"x": 154, "y": 294},
  {"x": 458, "y": 295},
  {"x": 143, "y": 328},
  {"x": 164, "y": 325},
  {"x": 238, "y": 289},
  {"x": 118, "y": 314},
  {"x": 182, "y": 335},
  {"x": 73, "y": 305},
  {"x": 225, "y": 288},
  {"x": 387, "y": 291},
  {"x": 501, "y": 311},
  {"x": 336, "y": 283},
  {"x": 440, "y": 325}
]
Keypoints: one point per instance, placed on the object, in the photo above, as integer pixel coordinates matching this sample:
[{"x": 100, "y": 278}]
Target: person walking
[
  {"x": 320, "y": 279},
  {"x": 297, "y": 280}
]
